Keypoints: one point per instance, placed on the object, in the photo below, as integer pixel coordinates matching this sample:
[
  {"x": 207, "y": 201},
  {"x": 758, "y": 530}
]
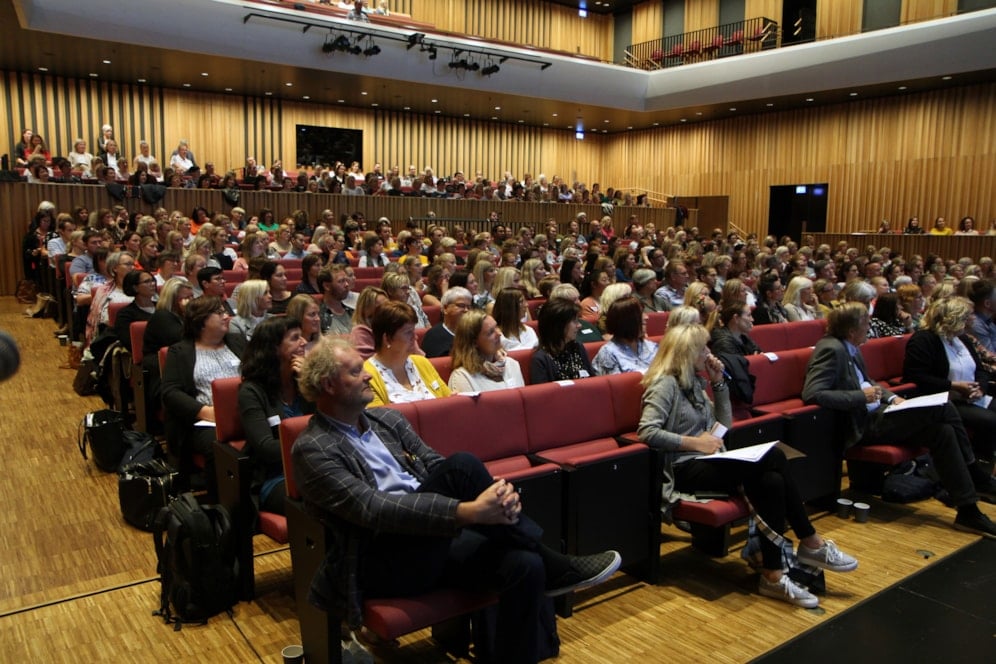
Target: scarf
[{"x": 495, "y": 369}]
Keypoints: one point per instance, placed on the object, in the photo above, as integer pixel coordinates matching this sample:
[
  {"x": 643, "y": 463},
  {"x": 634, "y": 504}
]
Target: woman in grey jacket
[{"x": 678, "y": 420}]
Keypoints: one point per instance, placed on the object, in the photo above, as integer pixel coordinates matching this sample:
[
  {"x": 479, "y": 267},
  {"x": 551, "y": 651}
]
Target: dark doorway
[
  {"x": 798, "y": 21},
  {"x": 794, "y": 209}
]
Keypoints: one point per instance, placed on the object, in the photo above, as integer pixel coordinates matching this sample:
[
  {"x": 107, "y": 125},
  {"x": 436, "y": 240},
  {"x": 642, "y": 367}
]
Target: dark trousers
[
  {"x": 504, "y": 559},
  {"x": 941, "y": 431},
  {"x": 767, "y": 484},
  {"x": 982, "y": 423}
]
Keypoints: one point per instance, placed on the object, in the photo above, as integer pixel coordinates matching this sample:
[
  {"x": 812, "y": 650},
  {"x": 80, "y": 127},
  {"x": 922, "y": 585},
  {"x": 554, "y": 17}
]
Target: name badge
[
  {"x": 583, "y": 373},
  {"x": 273, "y": 420},
  {"x": 435, "y": 385}
]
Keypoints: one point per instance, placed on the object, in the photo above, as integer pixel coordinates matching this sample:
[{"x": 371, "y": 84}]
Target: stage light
[
  {"x": 373, "y": 49},
  {"x": 490, "y": 69},
  {"x": 415, "y": 38}
]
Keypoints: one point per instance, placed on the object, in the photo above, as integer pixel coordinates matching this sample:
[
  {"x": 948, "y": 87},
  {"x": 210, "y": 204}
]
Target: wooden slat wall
[
  {"x": 928, "y": 154},
  {"x": 541, "y": 24},
  {"x": 648, "y": 21},
  {"x": 768, "y": 8},
  {"x": 835, "y": 19},
  {"x": 701, "y": 14},
  {"x": 925, "y": 10}
]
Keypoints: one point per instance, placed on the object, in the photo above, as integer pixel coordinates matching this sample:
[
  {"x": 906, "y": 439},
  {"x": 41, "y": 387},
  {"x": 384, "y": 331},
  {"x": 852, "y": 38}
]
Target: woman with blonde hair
[
  {"x": 479, "y": 362},
  {"x": 399, "y": 289},
  {"x": 506, "y": 277},
  {"x": 610, "y": 294},
  {"x": 361, "y": 334},
  {"x": 798, "y": 300},
  {"x": 533, "y": 271},
  {"x": 254, "y": 301},
  {"x": 698, "y": 296},
  {"x": 678, "y": 421},
  {"x": 304, "y": 309},
  {"x": 485, "y": 274}
]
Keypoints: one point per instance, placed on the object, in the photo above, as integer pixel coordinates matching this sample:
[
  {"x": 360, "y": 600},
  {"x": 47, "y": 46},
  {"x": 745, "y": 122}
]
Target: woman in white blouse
[
  {"x": 510, "y": 312},
  {"x": 399, "y": 374}
]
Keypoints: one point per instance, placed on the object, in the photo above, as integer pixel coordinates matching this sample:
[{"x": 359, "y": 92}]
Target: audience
[
  {"x": 628, "y": 350},
  {"x": 560, "y": 356},
  {"x": 480, "y": 364},
  {"x": 399, "y": 372}
]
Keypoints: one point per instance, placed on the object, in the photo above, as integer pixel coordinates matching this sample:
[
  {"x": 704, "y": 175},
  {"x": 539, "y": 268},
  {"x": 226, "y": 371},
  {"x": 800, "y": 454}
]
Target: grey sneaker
[
  {"x": 585, "y": 571},
  {"x": 789, "y": 591},
  {"x": 827, "y": 557}
]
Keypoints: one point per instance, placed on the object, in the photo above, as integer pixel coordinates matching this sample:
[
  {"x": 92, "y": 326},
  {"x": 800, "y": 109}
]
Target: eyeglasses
[{"x": 144, "y": 282}]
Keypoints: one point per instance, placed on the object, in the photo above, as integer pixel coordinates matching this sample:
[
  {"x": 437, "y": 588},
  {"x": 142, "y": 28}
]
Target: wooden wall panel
[
  {"x": 926, "y": 10},
  {"x": 701, "y": 14},
  {"x": 768, "y": 8},
  {"x": 541, "y": 24},
  {"x": 648, "y": 21},
  {"x": 835, "y": 19},
  {"x": 930, "y": 154}
]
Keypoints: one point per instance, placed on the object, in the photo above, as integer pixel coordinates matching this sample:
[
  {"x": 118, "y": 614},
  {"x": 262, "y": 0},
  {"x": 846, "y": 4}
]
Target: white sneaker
[
  {"x": 789, "y": 591},
  {"x": 827, "y": 557}
]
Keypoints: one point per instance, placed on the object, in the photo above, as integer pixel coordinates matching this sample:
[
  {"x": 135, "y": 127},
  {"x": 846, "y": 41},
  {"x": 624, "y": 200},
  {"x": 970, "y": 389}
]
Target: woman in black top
[
  {"x": 560, "y": 355},
  {"x": 140, "y": 285}
]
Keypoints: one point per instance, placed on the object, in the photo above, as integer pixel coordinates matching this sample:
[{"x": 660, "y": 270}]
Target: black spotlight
[
  {"x": 432, "y": 52},
  {"x": 328, "y": 47},
  {"x": 415, "y": 38},
  {"x": 373, "y": 49},
  {"x": 355, "y": 49},
  {"x": 341, "y": 43},
  {"x": 473, "y": 66},
  {"x": 490, "y": 69}
]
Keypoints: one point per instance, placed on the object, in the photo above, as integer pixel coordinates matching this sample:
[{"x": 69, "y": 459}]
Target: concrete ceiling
[{"x": 250, "y": 48}]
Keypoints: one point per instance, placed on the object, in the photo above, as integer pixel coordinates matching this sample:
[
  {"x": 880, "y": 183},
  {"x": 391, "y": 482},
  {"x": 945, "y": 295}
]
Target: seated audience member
[
  {"x": 611, "y": 293},
  {"x": 193, "y": 264},
  {"x": 888, "y": 318},
  {"x": 275, "y": 274},
  {"x": 224, "y": 255},
  {"x": 164, "y": 328},
  {"x": 628, "y": 350},
  {"x": 480, "y": 364},
  {"x": 588, "y": 332},
  {"x": 644, "y": 289},
  {"x": 940, "y": 357},
  {"x": 268, "y": 394},
  {"x": 596, "y": 282},
  {"x": 436, "y": 285},
  {"x": 675, "y": 282},
  {"x": 333, "y": 281},
  {"x": 506, "y": 277},
  {"x": 212, "y": 284},
  {"x": 167, "y": 263},
  {"x": 983, "y": 297},
  {"x": 119, "y": 265},
  {"x": 560, "y": 355},
  {"x": 769, "y": 308},
  {"x": 253, "y": 246},
  {"x": 399, "y": 289},
  {"x": 677, "y": 420},
  {"x": 837, "y": 379},
  {"x": 533, "y": 272},
  {"x": 941, "y": 227},
  {"x": 361, "y": 336},
  {"x": 311, "y": 267},
  {"x": 207, "y": 352},
  {"x": 373, "y": 251},
  {"x": 446, "y": 518},
  {"x": 304, "y": 309},
  {"x": 509, "y": 311},
  {"x": 438, "y": 341},
  {"x": 684, "y": 315},
  {"x": 799, "y": 300},
  {"x": 141, "y": 287},
  {"x": 825, "y": 294},
  {"x": 400, "y": 373},
  {"x": 253, "y": 306},
  {"x": 84, "y": 263},
  {"x": 733, "y": 336},
  {"x": 698, "y": 297},
  {"x": 485, "y": 274}
]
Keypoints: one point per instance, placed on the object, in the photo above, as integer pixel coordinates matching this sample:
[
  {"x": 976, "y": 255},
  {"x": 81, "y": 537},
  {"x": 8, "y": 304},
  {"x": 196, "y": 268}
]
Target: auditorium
[{"x": 598, "y": 187}]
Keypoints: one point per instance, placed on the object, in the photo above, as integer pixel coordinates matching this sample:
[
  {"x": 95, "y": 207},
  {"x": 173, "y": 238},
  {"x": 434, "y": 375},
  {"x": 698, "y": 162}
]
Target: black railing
[{"x": 747, "y": 36}]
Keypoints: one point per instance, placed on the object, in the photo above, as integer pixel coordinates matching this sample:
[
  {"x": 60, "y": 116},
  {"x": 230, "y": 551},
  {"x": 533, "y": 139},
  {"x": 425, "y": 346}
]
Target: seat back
[
  {"x": 137, "y": 332},
  {"x": 589, "y": 402},
  {"x": 234, "y": 276},
  {"x": 369, "y": 272},
  {"x": 162, "y": 358},
  {"x": 657, "y": 323},
  {"x": 444, "y": 366},
  {"x": 227, "y": 418},
  {"x": 804, "y": 333},
  {"x": 770, "y": 338},
  {"x": 534, "y": 306},
  {"x": 290, "y": 429},
  {"x": 627, "y": 400},
  {"x": 112, "y": 312},
  {"x": 524, "y": 356},
  {"x": 779, "y": 380},
  {"x": 434, "y": 313},
  {"x": 491, "y": 425}
]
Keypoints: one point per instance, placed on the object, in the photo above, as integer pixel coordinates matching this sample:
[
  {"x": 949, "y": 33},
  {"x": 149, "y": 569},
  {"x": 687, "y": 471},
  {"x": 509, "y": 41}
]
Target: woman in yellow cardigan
[{"x": 398, "y": 373}]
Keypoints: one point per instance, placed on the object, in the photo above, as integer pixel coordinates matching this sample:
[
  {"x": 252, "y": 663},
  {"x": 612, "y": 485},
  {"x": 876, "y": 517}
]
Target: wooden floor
[{"x": 78, "y": 585}]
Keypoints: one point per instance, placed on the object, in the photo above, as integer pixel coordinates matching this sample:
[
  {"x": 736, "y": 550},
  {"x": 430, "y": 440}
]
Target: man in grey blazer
[
  {"x": 407, "y": 520},
  {"x": 837, "y": 379}
]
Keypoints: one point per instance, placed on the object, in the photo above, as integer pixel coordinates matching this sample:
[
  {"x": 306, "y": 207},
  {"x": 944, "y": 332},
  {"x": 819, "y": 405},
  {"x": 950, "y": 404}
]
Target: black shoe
[
  {"x": 987, "y": 494},
  {"x": 584, "y": 572},
  {"x": 975, "y": 522}
]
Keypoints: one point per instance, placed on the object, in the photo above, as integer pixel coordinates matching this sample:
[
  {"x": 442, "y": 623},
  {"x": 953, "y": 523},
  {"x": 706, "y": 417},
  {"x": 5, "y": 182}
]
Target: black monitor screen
[{"x": 326, "y": 145}]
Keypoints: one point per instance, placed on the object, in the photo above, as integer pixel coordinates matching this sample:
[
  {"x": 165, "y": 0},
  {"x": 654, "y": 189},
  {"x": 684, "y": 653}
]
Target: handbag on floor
[
  {"x": 103, "y": 431},
  {"x": 144, "y": 488}
]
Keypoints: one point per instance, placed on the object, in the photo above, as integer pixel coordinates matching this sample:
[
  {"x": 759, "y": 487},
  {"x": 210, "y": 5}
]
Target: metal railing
[{"x": 722, "y": 41}]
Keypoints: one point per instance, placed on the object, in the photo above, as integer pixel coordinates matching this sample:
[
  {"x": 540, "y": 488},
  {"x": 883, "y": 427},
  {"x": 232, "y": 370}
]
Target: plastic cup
[
  {"x": 844, "y": 506},
  {"x": 861, "y": 512}
]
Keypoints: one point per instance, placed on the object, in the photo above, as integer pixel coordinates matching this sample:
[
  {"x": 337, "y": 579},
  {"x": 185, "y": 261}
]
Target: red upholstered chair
[
  {"x": 137, "y": 332},
  {"x": 535, "y": 305},
  {"x": 235, "y": 276},
  {"x": 657, "y": 323},
  {"x": 524, "y": 356},
  {"x": 735, "y": 39},
  {"x": 713, "y": 46},
  {"x": 810, "y": 429},
  {"x": 693, "y": 51},
  {"x": 444, "y": 366},
  {"x": 803, "y": 333},
  {"x": 369, "y": 272},
  {"x": 290, "y": 263},
  {"x": 770, "y": 338},
  {"x": 884, "y": 359},
  {"x": 607, "y": 481},
  {"x": 112, "y": 312},
  {"x": 434, "y": 312},
  {"x": 389, "y": 618},
  {"x": 362, "y": 283},
  {"x": 293, "y": 273}
]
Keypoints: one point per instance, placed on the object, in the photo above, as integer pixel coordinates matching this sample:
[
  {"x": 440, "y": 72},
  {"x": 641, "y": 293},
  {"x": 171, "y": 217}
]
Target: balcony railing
[{"x": 747, "y": 36}]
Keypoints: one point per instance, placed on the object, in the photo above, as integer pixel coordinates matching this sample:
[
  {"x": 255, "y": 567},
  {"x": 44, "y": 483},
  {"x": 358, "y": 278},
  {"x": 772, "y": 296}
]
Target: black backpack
[{"x": 197, "y": 564}]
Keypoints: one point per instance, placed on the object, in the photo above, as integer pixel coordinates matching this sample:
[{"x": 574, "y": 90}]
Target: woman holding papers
[
  {"x": 940, "y": 357},
  {"x": 678, "y": 419}
]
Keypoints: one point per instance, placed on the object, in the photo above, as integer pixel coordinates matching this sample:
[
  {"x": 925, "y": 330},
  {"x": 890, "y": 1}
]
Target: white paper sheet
[
  {"x": 926, "y": 401},
  {"x": 752, "y": 453}
]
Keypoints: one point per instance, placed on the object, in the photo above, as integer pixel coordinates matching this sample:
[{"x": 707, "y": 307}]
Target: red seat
[
  {"x": 369, "y": 272},
  {"x": 735, "y": 39},
  {"x": 137, "y": 333},
  {"x": 535, "y": 305},
  {"x": 434, "y": 312},
  {"x": 524, "y": 356},
  {"x": 443, "y": 366},
  {"x": 713, "y": 46},
  {"x": 657, "y": 323},
  {"x": 693, "y": 51}
]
